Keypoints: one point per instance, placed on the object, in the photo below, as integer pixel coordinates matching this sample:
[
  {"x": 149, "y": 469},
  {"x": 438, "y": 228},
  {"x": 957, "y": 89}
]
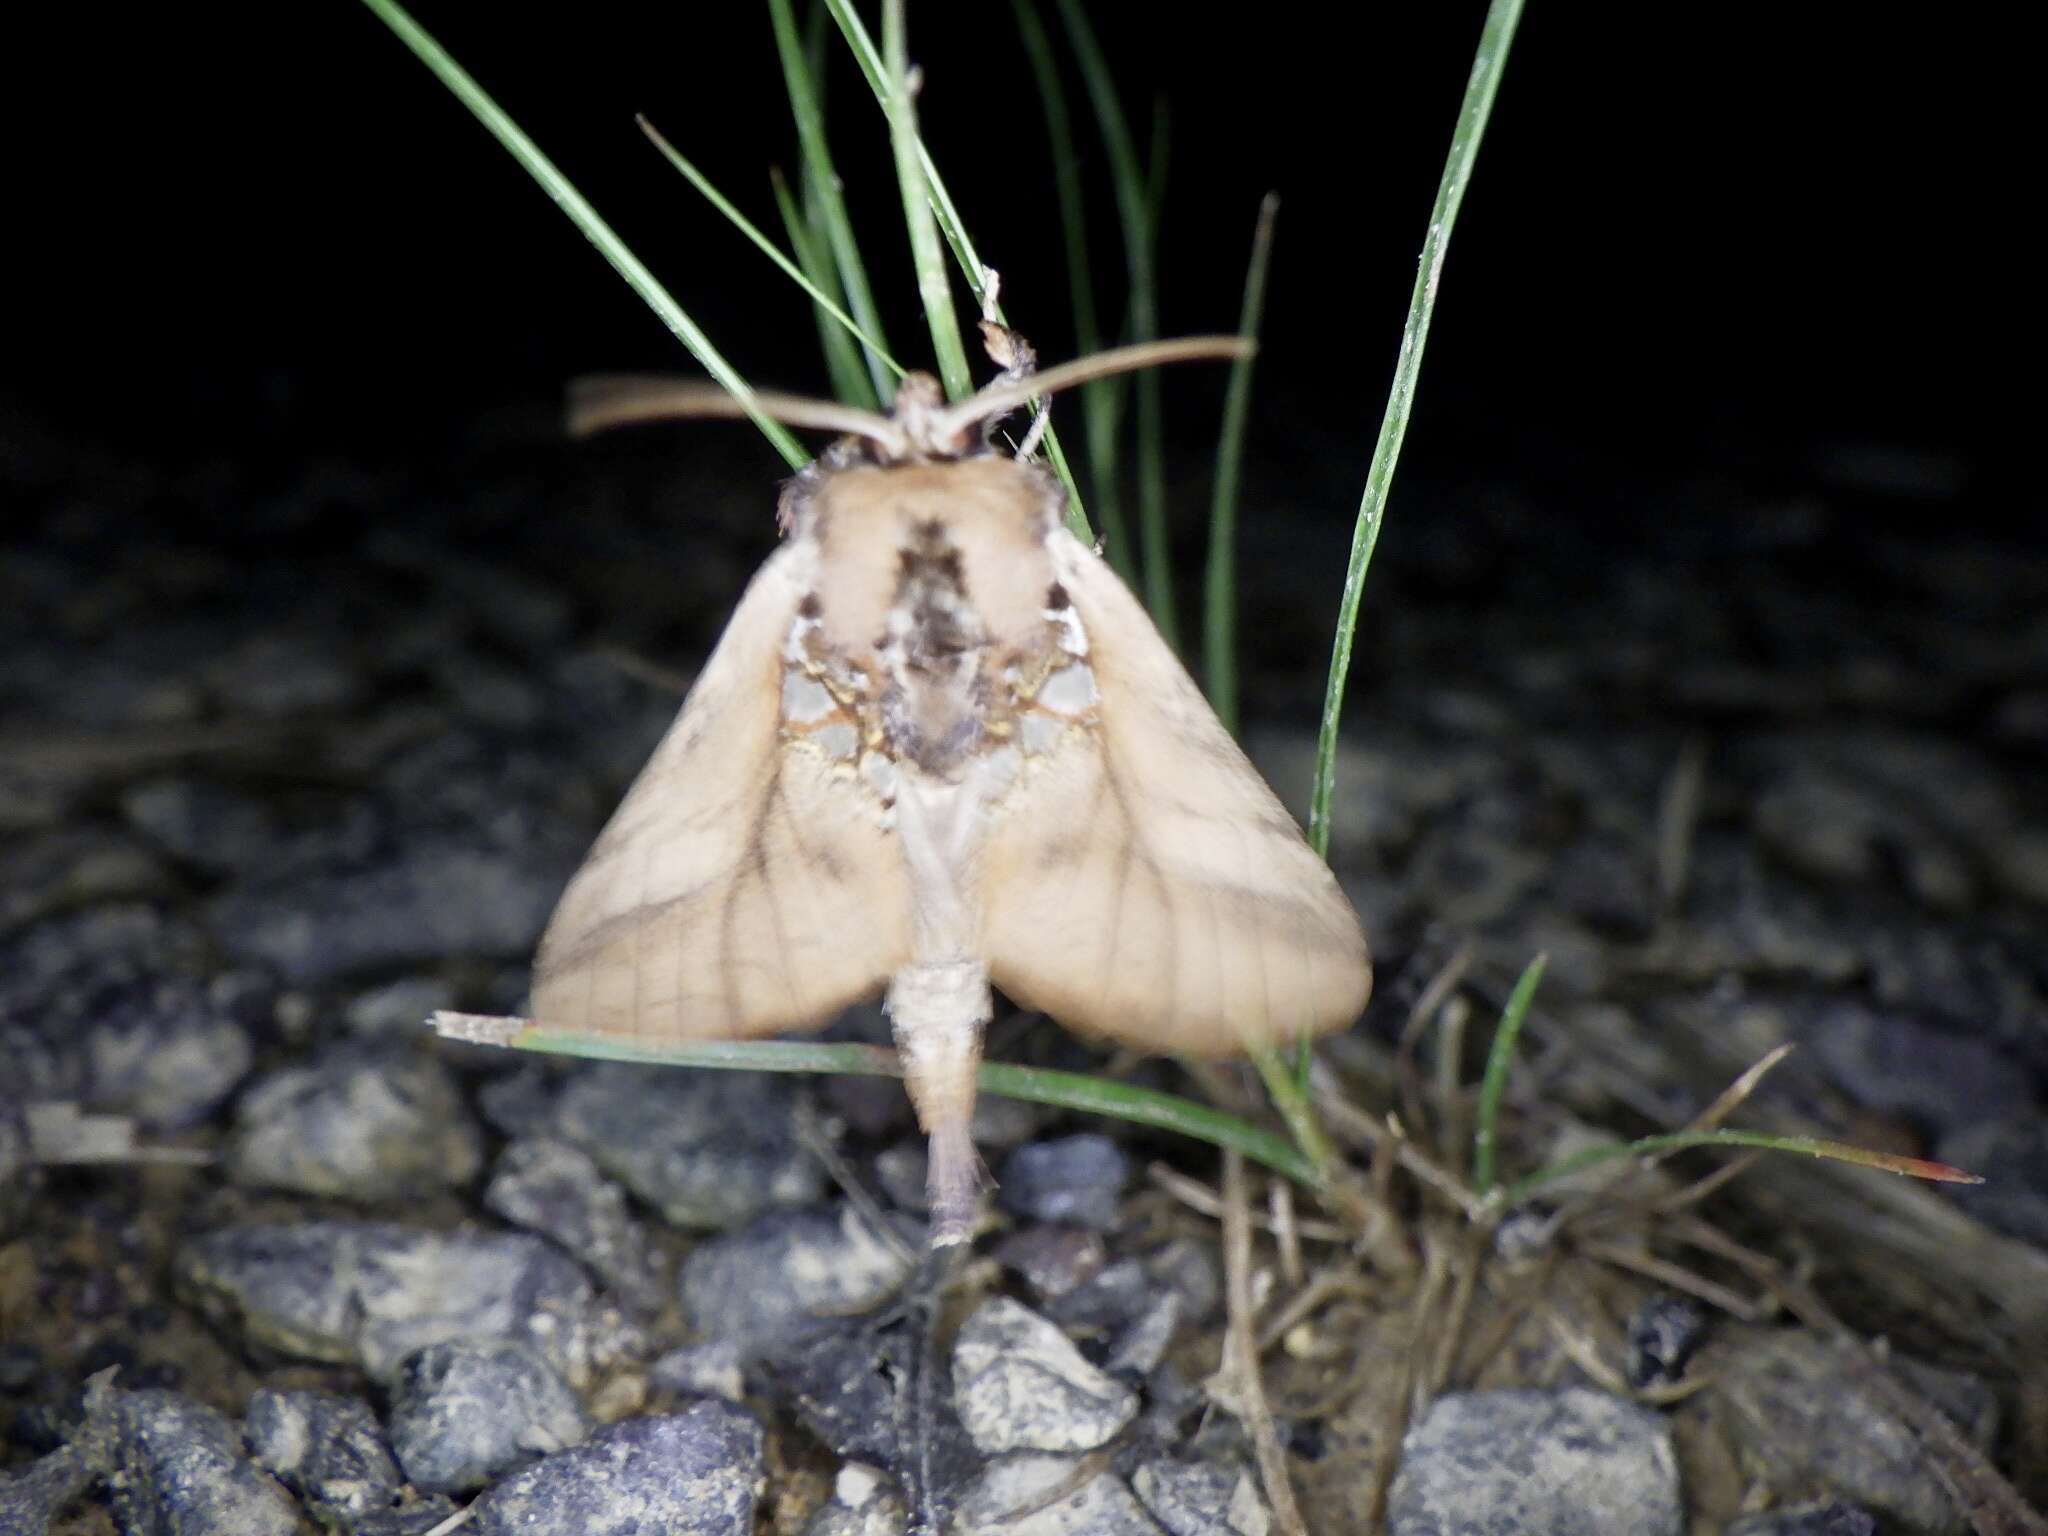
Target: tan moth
[{"x": 941, "y": 746}]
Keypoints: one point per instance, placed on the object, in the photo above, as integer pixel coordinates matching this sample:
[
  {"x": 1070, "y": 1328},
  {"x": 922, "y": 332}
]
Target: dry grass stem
[{"x": 1240, "y": 1352}]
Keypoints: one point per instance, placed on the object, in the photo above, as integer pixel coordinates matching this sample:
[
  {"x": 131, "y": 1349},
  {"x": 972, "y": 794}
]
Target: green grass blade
[
  {"x": 872, "y": 66},
  {"x": 1808, "y": 1146},
  {"x": 1292, "y": 1101},
  {"x": 1219, "y": 602},
  {"x": 1488, "y": 64},
  {"x": 1101, "y": 401},
  {"x": 1063, "y": 1090},
  {"x": 1499, "y": 1062},
  {"x": 1133, "y": 201},
  {"x": 1152, "y": 510},
  {"x": 821, "y": 182},
  {"x": 595, "y": 230},
  {"x": 767, "y": 247},
  {"x": 843, "y": 357},
  {"x": 934, "y": 289},
  {"x": 870, "y": 61}
]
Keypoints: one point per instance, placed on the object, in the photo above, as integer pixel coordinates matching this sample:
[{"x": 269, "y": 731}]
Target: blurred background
[{"x": 1742, "y": 242}]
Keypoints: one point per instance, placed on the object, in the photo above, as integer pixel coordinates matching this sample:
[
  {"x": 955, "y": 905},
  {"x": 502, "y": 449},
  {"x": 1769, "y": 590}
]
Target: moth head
[{"x": 921, "y": 428}]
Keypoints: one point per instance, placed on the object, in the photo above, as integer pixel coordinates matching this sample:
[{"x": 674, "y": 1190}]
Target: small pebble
[
  {"x": 174, "y": 1467},
  {"x": 1806, "y": 1520},
  {"x": 866, "y": 1395},
  {"x": 1051, "y": 1261},
  {"x": 862, "y": 1504},
  {"x": 362, "y": 1124},
  {"x": 1509, "y": 1463},
  {"x": 465, "y": 1412},
  {"x": 557, "y": 1190},
  {"x": 1013, "y": 1497},
  {"x": 1661, "y": 1338},
  {"x": 692, "y": 1473},
  {"x": 369, "y": 1294},
  {"x": 706, "y": 1149},
  {"x": 1075, "y": 1180},
  {"x": 764, "y": 1287},
  {"x": 1201, "y": 1499},
  {"x": 1021, "y": 1385},
  {"x": 1801, "y": 1415},
  {"x": 327, "y": 1449}
]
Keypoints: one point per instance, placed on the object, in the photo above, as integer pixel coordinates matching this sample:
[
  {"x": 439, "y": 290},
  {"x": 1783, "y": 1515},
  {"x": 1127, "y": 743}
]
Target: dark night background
[
  {"x": 1747, "y": 243},
  {"x": 1705, "y": 651}
]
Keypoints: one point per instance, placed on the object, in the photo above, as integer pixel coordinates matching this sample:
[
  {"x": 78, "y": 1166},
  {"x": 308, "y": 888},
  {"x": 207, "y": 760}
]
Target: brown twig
[{"x": 1240, "y": 1351}]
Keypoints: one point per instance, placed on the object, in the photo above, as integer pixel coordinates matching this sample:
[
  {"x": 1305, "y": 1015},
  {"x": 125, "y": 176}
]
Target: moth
[{"x": 941, "y": 747}]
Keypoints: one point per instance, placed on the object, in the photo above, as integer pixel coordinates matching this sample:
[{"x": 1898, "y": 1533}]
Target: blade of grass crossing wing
[
  {"x": 933, "y": 287},
  {"x": 870, "y": 61},
  {"x": 843, "y": 356},
  {"x": 803, "y": 84},
  {"x": 1101, "y": 401},
  {"x": 762, "y": 243},
  {"x": 1133, "y": 194},
  {"x": 565, "y": 196}
]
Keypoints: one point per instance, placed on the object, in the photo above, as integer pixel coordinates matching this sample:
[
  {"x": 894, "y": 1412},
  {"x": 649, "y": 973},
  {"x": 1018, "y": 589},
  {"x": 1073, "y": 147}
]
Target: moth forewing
[
  {"x": 744, "y": 886},
  {"x": 1149, "y": 886},
  {"x": 941, "y": 743}
]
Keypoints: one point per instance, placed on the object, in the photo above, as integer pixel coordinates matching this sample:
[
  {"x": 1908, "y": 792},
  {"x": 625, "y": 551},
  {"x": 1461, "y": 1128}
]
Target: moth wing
[
  {"x": 745, "y": 885},
  {"x": 1143, "y": 882}
]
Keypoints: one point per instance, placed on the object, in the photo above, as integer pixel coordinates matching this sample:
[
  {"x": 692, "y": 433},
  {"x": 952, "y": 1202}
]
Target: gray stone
[
  {"x": 1662, "y": 1335},
  {"x": 422, "y": 1515},
  {"x": 327, "y": 1449},
  {"x": 32, "y": 1499},
  {"x": 1140, "y": 1347},
  {"x": 1202, "y": 1499},
  {"x": 1051, "y": 1260},
  {"x": 69, "y": 867},
  {"x": 789, "y": 1273},
  {"x": 1021, "y": 1385},
  {"x": 438, "y": 894},
  {"x": 208, "y": 826},
  {"x": 1801, "y": 1414},
  {"x": 364, "y": 1124},
  {"x": 1074, "y": 1180},
  {"x": 111, "y": 1007},
  {"x": 1015, "y": 1496},
  {"x": 465, "y": 1412},
  {"x": 369, "y": 1294},
  {"x": 170, "y": 1052},
  {"x": 706, "y": 1149},
  {"x": 876, "y": 1395},
  {"x": 557, "y": 1190},
  {"x": 1806, "y": 1520},
  {"x": 1107, "y": 1302},
  {"x": 862, "y": 1504},
  {"x": 692, "y": 1473},
  {"x": 177, "y": 1468},
  {"x": 1530, "y": 1463},
  {"x": 285, "y": 672}
]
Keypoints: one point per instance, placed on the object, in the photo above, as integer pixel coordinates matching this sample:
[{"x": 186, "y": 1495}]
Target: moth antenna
[
  {"x": 1005, "y": 395},
  {"x": 603, "y": 401}
]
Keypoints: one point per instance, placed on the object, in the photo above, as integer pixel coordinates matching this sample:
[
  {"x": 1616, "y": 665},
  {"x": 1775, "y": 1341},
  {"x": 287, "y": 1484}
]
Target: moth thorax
[{"x": 935, "y": 702}]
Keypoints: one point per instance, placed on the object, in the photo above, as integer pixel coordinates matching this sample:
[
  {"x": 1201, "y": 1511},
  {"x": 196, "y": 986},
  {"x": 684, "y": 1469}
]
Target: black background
[{"x": 1730, "y": 241}]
